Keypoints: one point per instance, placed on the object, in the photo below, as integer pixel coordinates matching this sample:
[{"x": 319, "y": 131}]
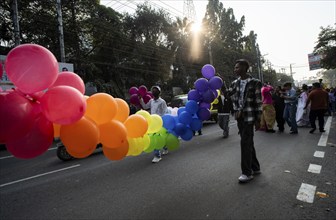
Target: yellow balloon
[
  {"x": 145, "y": 114},
  {"x": 155, "y": 125}
]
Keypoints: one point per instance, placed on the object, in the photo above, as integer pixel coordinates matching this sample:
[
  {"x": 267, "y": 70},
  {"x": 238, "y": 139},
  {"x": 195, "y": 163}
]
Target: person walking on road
[
  {"x": 158, "y": 106},
  {"x": 279, "y": 105},
  {"x": 318, "y": 99},
  {"x": 224, "y": 109},
  {"x": 245, "y": 93},
  {"x": 290, "y": 107},
  {"x": 268, "y": 112},
  {"x": 302, "y": 115}
]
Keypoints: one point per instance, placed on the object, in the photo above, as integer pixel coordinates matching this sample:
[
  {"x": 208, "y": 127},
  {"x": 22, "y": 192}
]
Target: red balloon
[
  {"x": 134, "y": 99},
  {"x": 32, "y": 68},
  {"x": 133, "y": 90},
  {"x": 143, "y": 90},
  {"x": 69, "y": 79},
  {"x": 147, "y": 98},
  {"x": 16, "y": 116},
  {"x": 63, "y": 105},
  {"x": 35, "y": 142}
]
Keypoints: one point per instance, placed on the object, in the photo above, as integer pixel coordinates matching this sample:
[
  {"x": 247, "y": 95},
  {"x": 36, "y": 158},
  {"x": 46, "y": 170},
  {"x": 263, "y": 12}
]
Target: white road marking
[
  {"x": 6, "y": 157},
  {"x": 324, "y": 136},
  {"x": 314, "y": 168},
  {"x": 306, "y": 193},
  {"x": 319, "y": 154},
  {"x": 39, "y": 175}
]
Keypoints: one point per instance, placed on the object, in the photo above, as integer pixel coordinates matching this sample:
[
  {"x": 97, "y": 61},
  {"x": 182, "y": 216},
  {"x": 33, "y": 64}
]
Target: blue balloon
[
  {"x": 185, "y": 117},
  {"x": 180, "y": 110},
  {"x": 203, "y": 114},
  {"x": 196, "y": 124},
  {"x": 194, "y": 95},
  {"x": 187, "y": 136},
  {"x": 180, "y": 129},
  {"x": 201, "y": 84},
  {"x": 208, "y": 71},
  {"x": 215, "y": 83},
  {"x": 191, "y": 106},
  {"x": 168, "y": 122}
]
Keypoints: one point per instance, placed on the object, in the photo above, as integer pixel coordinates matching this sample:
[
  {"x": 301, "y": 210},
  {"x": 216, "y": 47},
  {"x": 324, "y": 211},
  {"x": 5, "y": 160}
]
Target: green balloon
[
  {"x": 172, "y": 142},
  {"x": 151, "y": 144}
]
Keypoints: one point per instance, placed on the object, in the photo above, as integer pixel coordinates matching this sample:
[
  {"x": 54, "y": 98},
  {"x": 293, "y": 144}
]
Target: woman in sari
[
  {"x": 302, "y": 115},
  {"x": 268, "y": 111}
]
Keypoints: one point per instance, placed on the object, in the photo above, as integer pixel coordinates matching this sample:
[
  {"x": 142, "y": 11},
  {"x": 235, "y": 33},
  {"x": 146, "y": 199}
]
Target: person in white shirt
[{"x": 157, "y": 105}]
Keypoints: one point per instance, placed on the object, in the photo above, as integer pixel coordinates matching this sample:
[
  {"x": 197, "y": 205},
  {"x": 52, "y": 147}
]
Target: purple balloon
[
  {"x": 208, "y": 96},
  {"x": 201, "y": 84},
  {"x": 194, "y": 95},
  {"x": 133, "y": 90},
  {"x": 208, "y": 71},
  {"x": 203, "y": 114},
  {"x": 215, "y": 83},
  {"x": 134, "y": 99},
  {"x": 143, "y": 90},
  {"x": 205, "y": 105}
]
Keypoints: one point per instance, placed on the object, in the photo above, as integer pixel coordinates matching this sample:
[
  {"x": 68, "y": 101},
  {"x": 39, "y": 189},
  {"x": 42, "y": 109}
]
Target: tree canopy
[{"x": 326, "y": 46}]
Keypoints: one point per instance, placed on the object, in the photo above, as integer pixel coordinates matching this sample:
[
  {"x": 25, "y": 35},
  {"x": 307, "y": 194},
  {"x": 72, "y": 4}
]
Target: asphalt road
[{"x": 197, "y": 181}]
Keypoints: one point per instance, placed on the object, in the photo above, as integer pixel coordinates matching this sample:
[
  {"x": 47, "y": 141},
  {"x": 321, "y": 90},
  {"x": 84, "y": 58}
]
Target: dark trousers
[
  {"x": 249, "y": 159},
  {"x": 317, "y": 114},
  {"x": 279, "y": 119}
]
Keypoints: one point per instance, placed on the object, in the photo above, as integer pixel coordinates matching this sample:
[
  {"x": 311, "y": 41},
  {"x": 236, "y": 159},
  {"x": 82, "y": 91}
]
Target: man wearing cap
[
  {"x": 245, "y": 93},
  {"x": 158, "y": 106}
]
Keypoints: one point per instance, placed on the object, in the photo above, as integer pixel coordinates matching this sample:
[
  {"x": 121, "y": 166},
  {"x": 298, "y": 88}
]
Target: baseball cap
[{"x": 157, "y": 87}]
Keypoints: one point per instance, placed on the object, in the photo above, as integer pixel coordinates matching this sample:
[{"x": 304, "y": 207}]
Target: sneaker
[
  {"x": 244, "y": 179},
  {"x": 156, "y": 159},
  {"x": 256, "y": 172},
  {"x": 322, "y": 130},
  {"x": 164, "y": 152},
  {"x": 312, "y": 130}
]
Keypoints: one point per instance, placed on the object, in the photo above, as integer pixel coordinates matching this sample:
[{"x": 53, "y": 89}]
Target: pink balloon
[
  {"x": 32, "y": 68},
  {"x": 1, "y": 72},
  {"x": 16, "y": 116},
  {"x": 143, "y": 90},
  {"x": 134, "y": 99},
  {"x": 63, "y": 105},
  {"x": 147, "y": 98},
  {"x": 133, "y": 90},
  {"x": 35, "y": 142},
  {"x": 69, "y": 79}
]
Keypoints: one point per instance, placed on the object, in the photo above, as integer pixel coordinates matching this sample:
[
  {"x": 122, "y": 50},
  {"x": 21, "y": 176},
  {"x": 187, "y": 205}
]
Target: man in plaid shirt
[{"x": 245, "y": 93}]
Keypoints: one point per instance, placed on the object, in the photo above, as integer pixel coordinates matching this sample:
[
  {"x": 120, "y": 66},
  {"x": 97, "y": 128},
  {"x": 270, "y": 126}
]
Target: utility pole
[
  {"x": 60, "y": 29},
  {"x": 259, "y": 65},
  {"x": 16, "y": 23},
  {"x": 291, "y": 71}
]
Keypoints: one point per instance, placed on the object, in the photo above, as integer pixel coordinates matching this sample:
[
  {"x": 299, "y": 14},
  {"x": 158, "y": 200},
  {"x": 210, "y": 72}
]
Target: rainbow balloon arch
[{"x": 47, "y": 104}]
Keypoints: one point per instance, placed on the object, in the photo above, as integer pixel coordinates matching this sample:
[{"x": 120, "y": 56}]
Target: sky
[{"x": 287, "y": 31}]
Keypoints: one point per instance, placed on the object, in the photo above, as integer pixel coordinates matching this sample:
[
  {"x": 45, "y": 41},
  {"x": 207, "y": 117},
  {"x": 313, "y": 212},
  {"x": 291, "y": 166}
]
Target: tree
[{"x": 326, "y": 46}]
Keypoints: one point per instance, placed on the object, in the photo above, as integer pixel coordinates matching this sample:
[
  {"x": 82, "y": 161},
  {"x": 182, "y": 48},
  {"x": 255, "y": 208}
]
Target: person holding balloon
[
  {"x": 224, "y": 109},
  {"x": 246, "y": 99},
  {"x": 158, "y": 106}
]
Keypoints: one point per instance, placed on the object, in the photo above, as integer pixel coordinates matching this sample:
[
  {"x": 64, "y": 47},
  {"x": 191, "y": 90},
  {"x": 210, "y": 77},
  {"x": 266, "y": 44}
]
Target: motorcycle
[{"x": 63, "y": 154}]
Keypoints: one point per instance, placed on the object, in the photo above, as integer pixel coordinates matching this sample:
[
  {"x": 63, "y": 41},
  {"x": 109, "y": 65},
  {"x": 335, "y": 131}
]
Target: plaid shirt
[{"x": 252, "y": 99}]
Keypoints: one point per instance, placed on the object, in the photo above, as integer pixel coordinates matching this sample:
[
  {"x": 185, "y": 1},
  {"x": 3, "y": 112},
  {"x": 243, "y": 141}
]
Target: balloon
[
  {"x": 63, "y": 105},
  {"x": 133, "y": 90},
  {"x": 215, "y": 83},
  {"x": 180, "y": 129},
  {"x": 57, "y": 130},
  {"x": 146, "y": 115},
  {"x": 32, "y": 68},
  {"x": 159, "y": 141},
  {"x": 16, "y": 116},
  {"x": 155, "y": 124},
  {"x": 194, "y": 95},
  {"x": 136, "y": 145},
  {"x": 172, "y": 142},
  {"x": 201, "y": 84},
  {"x": 80, "y": 138},
  {"x": 101, "y": 108},
  {"x": 146, "y": 98},
  {"x": 180, "y": 110},
  {"x": 145, "y": 142},
  {"x": 136, "y": 126},
  {"x": 116, "y": 153},
  {"x": 208, "y": 96},
  {"x": 134, "y": 99},
  {"x": 185, "y": 118},
  {"x": 150, "y": 94},
  {"x": 1, "y": 72},
  {"x": 187, "y": 136},
  {"x": 123, "y": 110},
  {"x": 196, "y": 124},
  {"x": 168, "y": 122},
  {"x": 142, "y": 90},
  {"x": 113, "y": 134},
  {"x": 204, "y": 105},
  {"x": 35, "y": 142},
  {"x": 208, "y": 71},
  {"x": 69, "y": 79},
  {"x": 215, "y": 101},
  {"x": 191, "y": 106},
  {"x": 203, "y": 114}
]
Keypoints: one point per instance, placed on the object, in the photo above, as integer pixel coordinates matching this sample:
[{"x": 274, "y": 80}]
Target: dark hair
[
  {"x": 244, "y": 63},
  {"x": 304, "y": 87},
  {"x": 287, "y": 84},
  {"x": 317, "y": 85}
]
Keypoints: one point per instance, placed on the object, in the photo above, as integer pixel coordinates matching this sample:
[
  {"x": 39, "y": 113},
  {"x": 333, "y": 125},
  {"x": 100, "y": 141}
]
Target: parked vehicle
[
  {"x": 62, "y": 153},
  {"x": 181, "y": 100}
]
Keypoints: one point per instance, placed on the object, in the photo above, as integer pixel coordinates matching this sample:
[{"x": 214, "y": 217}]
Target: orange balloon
[
  {"x": 123, "y": 110},
  {"x": 136, "y": 126},
  {"x": 101, "y": 108},
  {"x": 116, "y": 153},
  {"x": 113, "y": 134},
  {"x": 57, "y": 129},
  {"x": 80, "y": 138}
]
